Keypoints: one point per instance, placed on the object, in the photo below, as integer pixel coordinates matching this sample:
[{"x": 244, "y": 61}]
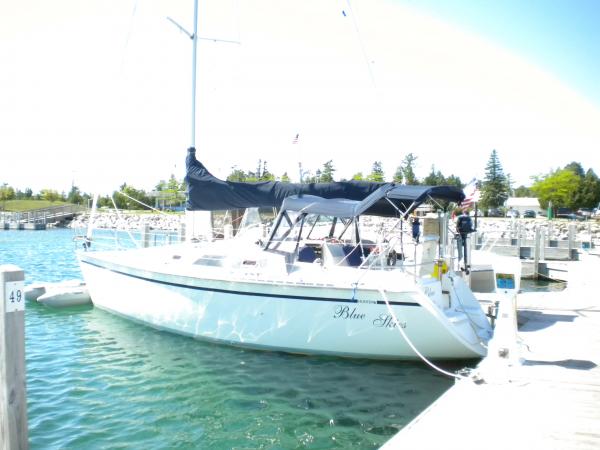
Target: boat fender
[
  {"x": 436, "y": 268},
  {"x": 86, "y": 242},
  {"x": 392, "y": 258}
]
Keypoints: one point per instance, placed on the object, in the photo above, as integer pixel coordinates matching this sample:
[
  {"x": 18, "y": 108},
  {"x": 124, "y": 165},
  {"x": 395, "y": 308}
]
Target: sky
[{"x": 97, "y": 93}]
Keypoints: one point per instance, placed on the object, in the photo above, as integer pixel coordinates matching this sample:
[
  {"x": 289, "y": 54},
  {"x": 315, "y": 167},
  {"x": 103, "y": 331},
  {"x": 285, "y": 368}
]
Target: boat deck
[{"x": 550, "y": 401}]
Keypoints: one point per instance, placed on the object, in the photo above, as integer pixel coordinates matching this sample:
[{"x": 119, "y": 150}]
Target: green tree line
[
  {"x": 166, "y": 194},
  {"x": 569, "y": 187}
]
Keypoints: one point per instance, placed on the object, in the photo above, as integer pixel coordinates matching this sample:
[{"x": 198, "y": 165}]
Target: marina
[
  {"x": 359, "y": 310},
  {"x": 557, "y": 327}
]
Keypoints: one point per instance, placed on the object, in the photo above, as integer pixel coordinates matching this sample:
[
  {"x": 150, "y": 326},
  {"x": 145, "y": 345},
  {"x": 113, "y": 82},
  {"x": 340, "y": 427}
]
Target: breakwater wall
[{"x": 130, "y": 221}]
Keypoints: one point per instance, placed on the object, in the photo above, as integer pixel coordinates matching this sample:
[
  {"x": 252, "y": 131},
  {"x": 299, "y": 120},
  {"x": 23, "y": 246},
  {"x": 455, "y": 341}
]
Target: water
[
  {"x": 542, "y": 286},
  {"x": 95, "y": 380}
]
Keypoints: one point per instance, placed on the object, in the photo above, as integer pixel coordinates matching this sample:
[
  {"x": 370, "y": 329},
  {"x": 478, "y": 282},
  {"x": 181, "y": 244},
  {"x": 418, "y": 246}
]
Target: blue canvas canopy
[
  {"x": 390, "y": 200},
  {"x": 208, "y": 193}
]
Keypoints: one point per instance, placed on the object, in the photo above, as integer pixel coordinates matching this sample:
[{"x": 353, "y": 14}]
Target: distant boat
[{"x": 62, "y": 294}]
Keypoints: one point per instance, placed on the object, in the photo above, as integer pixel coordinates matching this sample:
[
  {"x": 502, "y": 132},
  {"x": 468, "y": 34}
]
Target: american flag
[
  {"x": 295, "y": 140},
  {"x": 472, "y": 194}
]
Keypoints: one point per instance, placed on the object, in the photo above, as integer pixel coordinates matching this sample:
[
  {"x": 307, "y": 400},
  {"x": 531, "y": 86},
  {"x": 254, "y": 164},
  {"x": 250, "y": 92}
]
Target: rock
[{"x": 130, "y": 221}]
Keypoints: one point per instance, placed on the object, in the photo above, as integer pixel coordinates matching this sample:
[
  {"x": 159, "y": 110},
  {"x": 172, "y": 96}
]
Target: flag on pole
[
  {"x": 472, "y": 194},
  {"x": 295, "y": 140}
]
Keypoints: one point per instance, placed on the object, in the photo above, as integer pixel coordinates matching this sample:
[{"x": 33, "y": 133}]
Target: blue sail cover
[{"x": 208, "y": 193}]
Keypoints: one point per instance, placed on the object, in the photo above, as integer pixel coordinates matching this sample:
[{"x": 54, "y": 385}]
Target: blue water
[{"x": 96, "y": 381}]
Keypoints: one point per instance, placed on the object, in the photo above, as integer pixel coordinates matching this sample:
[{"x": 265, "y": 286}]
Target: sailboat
[{"x": 337, "y": 274}]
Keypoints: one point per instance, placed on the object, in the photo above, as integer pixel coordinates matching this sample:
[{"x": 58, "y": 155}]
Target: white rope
[
  {"x": 412, "y": 346},
  {"x": 141, "y": 203},
  {"x": 121, "y": 218}
]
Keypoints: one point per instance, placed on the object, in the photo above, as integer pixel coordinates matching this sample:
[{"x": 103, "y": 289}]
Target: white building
[{"x": 522, "y": 204}]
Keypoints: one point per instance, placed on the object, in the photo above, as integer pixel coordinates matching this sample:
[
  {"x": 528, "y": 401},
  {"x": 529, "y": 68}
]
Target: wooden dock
[
  {"x": 548, "y": 400},
  {"x": 39, "y": 219}
]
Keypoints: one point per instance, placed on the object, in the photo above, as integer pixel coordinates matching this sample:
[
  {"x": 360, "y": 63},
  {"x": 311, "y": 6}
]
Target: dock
[
  {"x": 39, "y": 219},
  {"x": 547, "y": 398}
]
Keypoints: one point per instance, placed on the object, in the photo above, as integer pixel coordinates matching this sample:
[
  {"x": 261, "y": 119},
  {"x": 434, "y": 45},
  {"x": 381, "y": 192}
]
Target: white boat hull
[
  {"x": 278, "y": 314},
  {"x": 65, "y": 298},
  {"x": 62, "y": 294}
]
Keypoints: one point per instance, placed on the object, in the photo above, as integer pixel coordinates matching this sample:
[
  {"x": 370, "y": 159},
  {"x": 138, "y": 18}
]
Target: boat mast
[{"x": 194, "y": 37}]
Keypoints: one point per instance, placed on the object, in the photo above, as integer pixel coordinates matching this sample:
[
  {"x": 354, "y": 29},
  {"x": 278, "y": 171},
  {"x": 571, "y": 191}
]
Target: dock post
[
  {"x": 182, "y": 232},
  {"x": 145, "y": 235},
  {"x": 536, "y": 254},
  {"x": 13, "y": 399},
  {"x": 542, "y": 244},
  {"x": 571, "y": 239}
]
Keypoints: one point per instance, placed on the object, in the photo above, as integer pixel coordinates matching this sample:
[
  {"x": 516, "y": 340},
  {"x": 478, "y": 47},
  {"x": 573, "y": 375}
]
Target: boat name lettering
[
  {"x": 373, "y": 302},
  {"x": 387, "y": 321},
  {"x": 344, "y": 312}
]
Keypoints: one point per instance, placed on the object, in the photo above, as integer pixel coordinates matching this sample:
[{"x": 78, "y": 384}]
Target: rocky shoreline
[
  {"x": 130, "y": 221},
  {"x": 557, "y": 229},
  {"x": 588, "y": 231}
]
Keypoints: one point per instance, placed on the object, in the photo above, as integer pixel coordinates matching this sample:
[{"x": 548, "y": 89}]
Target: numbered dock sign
[{"x": 14, "y": 296}]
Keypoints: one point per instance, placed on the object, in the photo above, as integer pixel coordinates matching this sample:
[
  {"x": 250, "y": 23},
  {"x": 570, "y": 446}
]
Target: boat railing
[{"x": 120, "y": 239}]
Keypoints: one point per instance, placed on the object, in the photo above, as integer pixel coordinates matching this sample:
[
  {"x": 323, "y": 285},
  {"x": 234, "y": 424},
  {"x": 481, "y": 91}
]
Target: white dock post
[
  {"x": 13, "y": 399},
  {"x": 145, "y": 235},
  {"x": 536, "y": 254},
  {"x": 543, "y": 244},
  {"x": 572, "y": 232},
  {"x": 182, "y": 232}
]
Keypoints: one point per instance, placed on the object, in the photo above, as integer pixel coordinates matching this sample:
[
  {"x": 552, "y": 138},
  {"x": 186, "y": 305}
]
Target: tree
[
  {"x": 588, "y": 194},
  {"x": 453, "y": 180},
  {"x": 358, "y": 176},
  {"x": 576, "y": 168},
  {"x": 6, "y": 192},
  {"x": 131, "y": 198},
  {"x": 523, "y": 191},
  {"x": 236, "y": 175},
  {"x": 398, "y": 175},
  {"x": 327, "y": 172},
  {"x": 285, "y": 178},
  {"x": 376, "y": 174},
  {"x": 318, "y": 176},
  {"x": 558, "y": 187},
  {"x": 494, "y": 191},
  {"x": 408, "y": 169},
  {"x": 435, "y": 178},
  {"x": 50, "y": 195},
  {"x": 509, "y": 185},
  {"x": 265, "y": 175},
  {"x": 75, "y": 196}
]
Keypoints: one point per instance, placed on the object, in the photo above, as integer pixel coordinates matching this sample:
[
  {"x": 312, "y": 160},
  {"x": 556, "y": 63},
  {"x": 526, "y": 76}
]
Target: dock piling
[
  {"x": 13, "y": 400},
  {"x": 536, "y": 253}
]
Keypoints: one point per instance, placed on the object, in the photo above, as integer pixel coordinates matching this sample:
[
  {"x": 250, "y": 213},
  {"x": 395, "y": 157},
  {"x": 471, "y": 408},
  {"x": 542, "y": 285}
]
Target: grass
[{"x": 27, "y": 205}]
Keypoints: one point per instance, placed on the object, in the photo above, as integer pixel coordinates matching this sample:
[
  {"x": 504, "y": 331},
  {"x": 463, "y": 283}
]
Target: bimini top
[
  {"x": 208, "y": 193},
  {"x": 390, "y": 200}
]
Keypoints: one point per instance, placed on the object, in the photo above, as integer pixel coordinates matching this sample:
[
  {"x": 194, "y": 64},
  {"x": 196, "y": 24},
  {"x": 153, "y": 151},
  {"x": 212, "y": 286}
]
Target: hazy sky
[{"x": 97, "y": 92}]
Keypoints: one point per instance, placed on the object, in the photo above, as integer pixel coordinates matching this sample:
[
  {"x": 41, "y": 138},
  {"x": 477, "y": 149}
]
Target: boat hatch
[{"x": 210, "y": 260}]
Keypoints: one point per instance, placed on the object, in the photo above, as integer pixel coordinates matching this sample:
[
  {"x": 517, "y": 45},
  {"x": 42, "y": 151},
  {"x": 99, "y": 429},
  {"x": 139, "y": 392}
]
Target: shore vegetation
[{"x": 570, "y": 187}]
